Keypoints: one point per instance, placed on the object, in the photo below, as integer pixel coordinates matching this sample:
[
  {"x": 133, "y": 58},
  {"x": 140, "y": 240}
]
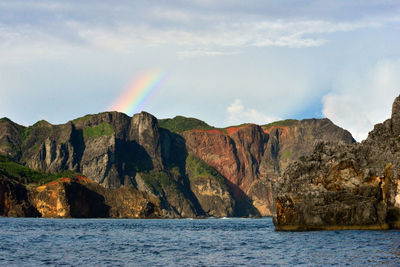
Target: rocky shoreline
[{"x": 342, "y": 186}]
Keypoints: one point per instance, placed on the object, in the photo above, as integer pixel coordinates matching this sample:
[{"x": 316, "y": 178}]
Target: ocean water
[{"x": 184, "y": 242}]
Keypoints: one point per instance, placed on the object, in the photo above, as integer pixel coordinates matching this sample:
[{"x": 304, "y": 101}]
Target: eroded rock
[{"x": 343, "y": 186}]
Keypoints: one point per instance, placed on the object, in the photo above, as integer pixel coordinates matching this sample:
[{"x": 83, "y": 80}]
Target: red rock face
[
  {"x": 236, "y": 154},
  {"x": 250, "y": 157},
  {"x": 217, "y": 150}
]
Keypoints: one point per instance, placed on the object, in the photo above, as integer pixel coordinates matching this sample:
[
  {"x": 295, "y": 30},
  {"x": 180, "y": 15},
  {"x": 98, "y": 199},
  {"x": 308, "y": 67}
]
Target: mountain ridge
[{"x": 115, "y": 150}]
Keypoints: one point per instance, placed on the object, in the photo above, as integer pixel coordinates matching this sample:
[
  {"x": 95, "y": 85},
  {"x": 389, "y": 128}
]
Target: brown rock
[
  {"x": 83, "y": 198},
  {"x": 14, "y": 200},
  {"x": 344, "y": 186}
]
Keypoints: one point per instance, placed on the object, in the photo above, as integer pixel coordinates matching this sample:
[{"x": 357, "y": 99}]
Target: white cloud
[
  {"x": 196, "y": 53},
  {"x": 19, "y": 44},
  {"x": 216, "y": 33},
  {"x": 359, "y": 101},
  {"x": 238, "y": 114},
  {"x": 263, "y": 33}
]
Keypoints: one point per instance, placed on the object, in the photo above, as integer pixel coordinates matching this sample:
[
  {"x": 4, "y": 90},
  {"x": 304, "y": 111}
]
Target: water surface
[{"x": 209, "y": 242}]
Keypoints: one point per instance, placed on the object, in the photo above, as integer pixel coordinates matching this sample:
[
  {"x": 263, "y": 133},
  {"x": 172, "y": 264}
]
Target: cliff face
[
  {"x": 194, "y": 172},
  {"x": 210, "y": 189},
  {"x": 78, "y": 198},
  {"x": 345, "y": 187},
  {"x": 251, "y": 157},
  {"x": 115, "y": 151},
  {"x": 108, "y": 148}
]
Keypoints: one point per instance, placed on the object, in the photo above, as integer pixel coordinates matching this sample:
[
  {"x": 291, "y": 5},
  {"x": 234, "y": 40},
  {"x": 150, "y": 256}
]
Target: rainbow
[{"x": 139, "y": 92}]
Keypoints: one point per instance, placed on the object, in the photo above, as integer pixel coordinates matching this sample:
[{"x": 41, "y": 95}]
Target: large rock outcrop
[
  {"x": 77, "y": 198},
  {"x": 251, "y": 157},
  {"x": 345, "y": 186}
]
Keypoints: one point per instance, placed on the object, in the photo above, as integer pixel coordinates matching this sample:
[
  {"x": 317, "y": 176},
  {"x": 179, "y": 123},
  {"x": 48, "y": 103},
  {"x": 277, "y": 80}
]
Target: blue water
[{"x": 210, "y": 242}]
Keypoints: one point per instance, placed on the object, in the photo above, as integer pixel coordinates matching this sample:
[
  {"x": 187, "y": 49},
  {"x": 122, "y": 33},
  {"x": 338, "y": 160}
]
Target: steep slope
[
  {"x": 251, "y": 157},
  {"x": 10, "y": 139},
  {"x": 345, "y": 187}
]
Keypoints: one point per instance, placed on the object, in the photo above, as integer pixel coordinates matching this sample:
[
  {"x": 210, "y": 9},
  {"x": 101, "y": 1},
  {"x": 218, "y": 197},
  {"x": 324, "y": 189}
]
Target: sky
[{"x": 224, "y": 62}]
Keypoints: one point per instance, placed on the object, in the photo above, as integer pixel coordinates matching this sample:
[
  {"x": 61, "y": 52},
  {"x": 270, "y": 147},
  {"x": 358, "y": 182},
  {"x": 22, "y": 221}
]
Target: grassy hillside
[
  {"x": 180, "y": 124},
  {"x": 197, "y": 168},
  {"x": 282, "y": 123},
  {"x": 13, "y": 170},
  {"x": 98, "y": 130}
]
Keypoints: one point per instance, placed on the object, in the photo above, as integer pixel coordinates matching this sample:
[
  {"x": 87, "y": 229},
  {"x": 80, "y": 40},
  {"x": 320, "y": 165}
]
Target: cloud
[
  {"x": 196, "y": 53},
  {"x": 238, "y": 114},
  {"x": 125, "y": 27},
  {"x": 359, "y": 101},
  {"x": 263, "y": 33}
]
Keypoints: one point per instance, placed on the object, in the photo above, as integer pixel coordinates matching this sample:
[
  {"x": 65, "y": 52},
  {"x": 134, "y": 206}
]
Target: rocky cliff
[
  {"x": 116, "y": 151},
  {"x": 343, "y": 186},
  {"x": 77, "y": 197},
  {"x": 193, "y": 169},
  {"x": 251, "y": 157}
]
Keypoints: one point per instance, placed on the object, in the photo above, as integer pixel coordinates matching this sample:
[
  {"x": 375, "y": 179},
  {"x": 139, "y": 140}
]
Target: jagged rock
[{"x": 343, "y": 186}]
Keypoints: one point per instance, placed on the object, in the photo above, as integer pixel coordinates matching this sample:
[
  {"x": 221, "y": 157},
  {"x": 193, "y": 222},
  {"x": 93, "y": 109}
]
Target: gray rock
[{"x": 343, "y": 186}]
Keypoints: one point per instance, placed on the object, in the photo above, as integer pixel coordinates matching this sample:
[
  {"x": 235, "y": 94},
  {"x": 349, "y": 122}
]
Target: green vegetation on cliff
[
  {"x": 180, "y": 124},
  {"x": 287, "y": 154},
  {"x": 98, "y": 130},
  {"x": 197, "y": 168},
  {"x": 282, "y": 123},
  {"x": 27, "y": 175},
  {"x": 37, "y": 131},
  {"x": 158, "y": 180}
]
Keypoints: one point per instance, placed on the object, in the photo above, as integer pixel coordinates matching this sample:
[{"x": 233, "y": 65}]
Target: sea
[{"x": 187, "y": 242}]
